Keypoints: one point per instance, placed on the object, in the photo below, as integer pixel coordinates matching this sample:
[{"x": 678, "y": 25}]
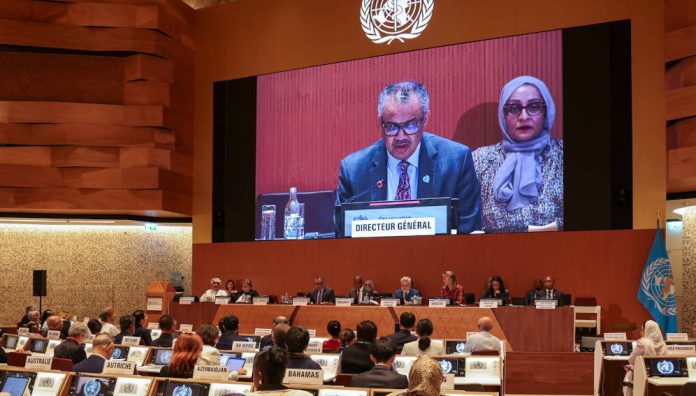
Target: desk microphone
[{"x": 379, "y": 184}]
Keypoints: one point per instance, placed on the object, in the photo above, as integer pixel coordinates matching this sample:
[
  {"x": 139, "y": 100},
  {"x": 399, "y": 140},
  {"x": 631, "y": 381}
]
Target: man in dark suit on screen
[
  {"x": 408, "y": 163},
  {"x": 382, "y": 354}
]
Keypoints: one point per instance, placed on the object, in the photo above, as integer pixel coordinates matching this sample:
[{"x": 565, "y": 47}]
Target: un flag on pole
[{"x": 657, "y": 290}]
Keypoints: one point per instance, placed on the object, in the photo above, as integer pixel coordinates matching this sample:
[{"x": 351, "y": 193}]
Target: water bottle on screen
[{"x": 294, "y": 217}]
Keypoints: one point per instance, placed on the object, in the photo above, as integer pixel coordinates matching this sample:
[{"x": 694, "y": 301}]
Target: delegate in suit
[{"x": 412, "y": 163}]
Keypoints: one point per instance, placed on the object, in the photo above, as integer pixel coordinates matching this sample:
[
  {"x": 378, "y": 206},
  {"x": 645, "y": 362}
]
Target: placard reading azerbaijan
[{"x": 423, "y": 220}]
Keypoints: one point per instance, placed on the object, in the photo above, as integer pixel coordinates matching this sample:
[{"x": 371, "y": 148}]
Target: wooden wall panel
[
  {"x": 94, "y": 130},
  {"x": 603, "y": 264},
  {"x": 309, "y": 119}
]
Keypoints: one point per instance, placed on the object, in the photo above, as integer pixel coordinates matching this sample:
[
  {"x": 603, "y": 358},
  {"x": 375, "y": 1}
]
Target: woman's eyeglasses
[{"x": 532, "y": 108}]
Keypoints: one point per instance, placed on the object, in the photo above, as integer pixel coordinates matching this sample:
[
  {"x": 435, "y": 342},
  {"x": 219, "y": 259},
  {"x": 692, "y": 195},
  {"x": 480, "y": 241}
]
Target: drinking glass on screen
[{"x": 268, "y": 222}]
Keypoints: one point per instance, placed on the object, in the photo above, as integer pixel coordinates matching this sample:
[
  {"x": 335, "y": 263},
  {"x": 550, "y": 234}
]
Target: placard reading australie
[{"x": 393, "y": 227}]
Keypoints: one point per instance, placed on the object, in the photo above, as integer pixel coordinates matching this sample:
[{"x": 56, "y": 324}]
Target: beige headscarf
[
  {"x": 425, "y": 377},
  {"x": 652, "y": 340}
]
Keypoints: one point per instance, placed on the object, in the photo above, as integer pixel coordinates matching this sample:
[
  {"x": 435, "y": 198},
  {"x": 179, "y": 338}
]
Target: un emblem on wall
[{"x": 384, "y": 21}]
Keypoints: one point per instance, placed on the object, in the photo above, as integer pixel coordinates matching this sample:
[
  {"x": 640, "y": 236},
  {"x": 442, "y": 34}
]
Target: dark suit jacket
[
  {"x": 119, "y": 337},
  {"x": 69, "y": 349},
  {"x": 226, "y": 340},
  {"x": 93, "y": 364},
  {"x": 327, "y": 295},
  {"x": 531, "y": 296},
  {"x": 541, "y": 294},
  {"x": 265, "y": 341},
  {"x": 144, "y": 335},
  {"x": 302, "y": 361},
  {"x": 503, "y": 295},
  {"x": 448, "y": 166},
  {"x": 411, "y": 293},
  {"x": 3, "y": 356},
  {"x": 401, "y": 337},
  {"x": 356, "y": 358},
  {"x": 354, "y": 293},
  {"x": 163, "y": 341},
  {"x": 380, "y": 377}
]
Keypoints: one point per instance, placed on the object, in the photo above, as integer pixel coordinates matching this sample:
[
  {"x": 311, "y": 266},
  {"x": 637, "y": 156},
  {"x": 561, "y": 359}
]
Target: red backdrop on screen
[{"x": 309, "y": 119}]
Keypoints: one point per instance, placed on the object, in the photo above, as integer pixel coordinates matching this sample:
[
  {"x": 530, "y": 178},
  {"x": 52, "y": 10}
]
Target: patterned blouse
[
  {"x": 456, "y": 294},
  {"x": 548, "y": 207}
]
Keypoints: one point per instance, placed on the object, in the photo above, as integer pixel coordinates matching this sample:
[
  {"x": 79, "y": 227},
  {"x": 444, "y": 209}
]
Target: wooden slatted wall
[
  {"x": 680, "y": 85},
  {"x": 96, "y": 109}
]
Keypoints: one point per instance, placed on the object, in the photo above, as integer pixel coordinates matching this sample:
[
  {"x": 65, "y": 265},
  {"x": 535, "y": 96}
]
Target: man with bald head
[
  {"x": 102, "y": 348},
  {"x": 549, "y": 292},
  {"x": 267, "y": 340},
  {"x": 54, "y": 322},
  {"x": 356, "y": 292},
  {"x": 321, "y": 294},
  {"x": 484, "y": 340}
]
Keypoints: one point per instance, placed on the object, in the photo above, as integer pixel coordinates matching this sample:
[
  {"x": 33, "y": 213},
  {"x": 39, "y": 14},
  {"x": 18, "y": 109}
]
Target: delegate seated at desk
[
  {"x": 248, "y": 292},
  {"x": 321, "y": 294},
  {"x": 496, "y": 290},
  {"x": 214, "y": 291},
  {"x": 484, "y": 340},
  {"x": 650, "y": 344},
  {"x": 406, "y": 292},
  {"x": 413, "y": 163}
]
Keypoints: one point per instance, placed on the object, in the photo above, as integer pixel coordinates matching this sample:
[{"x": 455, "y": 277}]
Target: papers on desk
[
  {"x": 221, "y": 389},
  {"x": 328, "y": 363}
]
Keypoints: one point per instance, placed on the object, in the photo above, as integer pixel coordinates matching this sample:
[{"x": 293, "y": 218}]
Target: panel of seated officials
[
  {"x": 365, "y": 292},
  {"x": 194, "y": 355}
]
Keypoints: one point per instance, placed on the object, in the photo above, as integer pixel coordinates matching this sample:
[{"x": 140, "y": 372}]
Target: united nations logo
[
  {"x": 478, "y": 365},
  {"x": 92, "y": 388},
  {"x": 166, "y": 356},
  {"x": 182, "y": 390},
  {"x": 129, "y": 388},
  {"x": 117, "y": 353},
  {"x": 446, "y": 366},
  {"x": 460, "y": 347},
  {"x": 617, "y": 349},
  {"x": 46, "y": 382},
  {"x": 384, "y": 21},
  {"x": 658, "y": 284},
  {"x": 665, "y": 367}
]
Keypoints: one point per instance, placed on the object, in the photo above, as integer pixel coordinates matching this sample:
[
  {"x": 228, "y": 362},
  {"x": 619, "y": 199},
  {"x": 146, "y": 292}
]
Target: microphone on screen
[{"x": 379, "y": 184}]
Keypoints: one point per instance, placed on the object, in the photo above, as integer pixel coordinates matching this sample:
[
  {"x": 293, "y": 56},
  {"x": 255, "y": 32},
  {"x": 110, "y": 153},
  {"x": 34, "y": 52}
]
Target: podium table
[{"x": 525, "y": 328}]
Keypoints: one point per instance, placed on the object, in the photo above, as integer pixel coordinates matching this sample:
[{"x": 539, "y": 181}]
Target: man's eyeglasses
[
  {"x": 410, "y": 128},
  {"x": 532, "y": 108}
]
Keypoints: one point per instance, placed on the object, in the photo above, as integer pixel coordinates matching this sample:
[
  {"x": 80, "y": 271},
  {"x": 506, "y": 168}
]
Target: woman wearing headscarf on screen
[
  {"x": 521, "y": 176},
  {"x": 650, "y": 344}
]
